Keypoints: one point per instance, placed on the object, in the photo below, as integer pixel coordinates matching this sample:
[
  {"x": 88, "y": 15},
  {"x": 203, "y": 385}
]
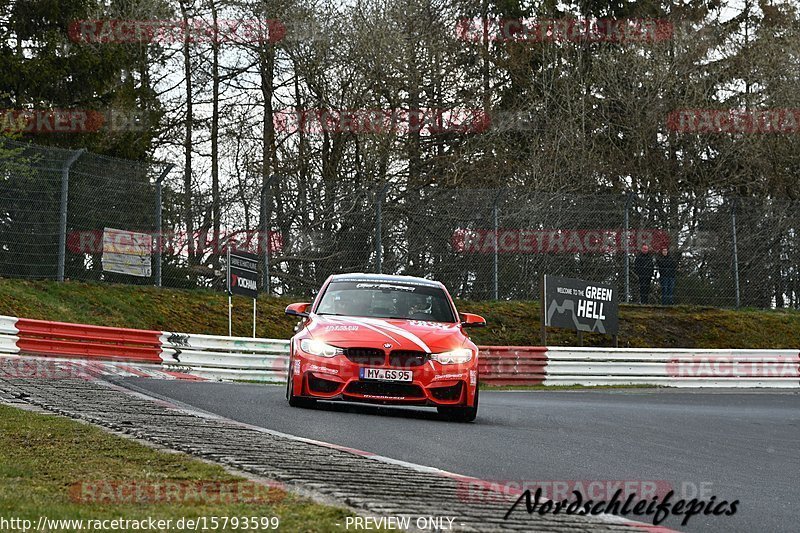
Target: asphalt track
[{"x": 735, "y": 445}]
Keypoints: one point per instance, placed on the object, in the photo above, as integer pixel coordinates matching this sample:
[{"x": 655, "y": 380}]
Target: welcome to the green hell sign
[{"x": 580, "y": 305}]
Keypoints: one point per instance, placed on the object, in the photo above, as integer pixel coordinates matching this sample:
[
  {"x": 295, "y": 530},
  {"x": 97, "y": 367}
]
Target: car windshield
[{"x": 386, "y": 299}]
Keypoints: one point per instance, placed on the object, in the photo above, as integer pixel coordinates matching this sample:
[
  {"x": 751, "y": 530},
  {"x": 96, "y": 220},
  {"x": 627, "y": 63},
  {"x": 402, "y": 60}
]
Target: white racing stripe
[
  {"x": 360, "y": 323},
  {"x": 384, "y": 325}
]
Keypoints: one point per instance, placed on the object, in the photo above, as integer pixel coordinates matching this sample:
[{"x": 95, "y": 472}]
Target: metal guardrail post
[
  {"x": 627, "y": 247},
  {"x": 159, "y": 238},
  {"x": 266, "y": 214},
  {"x": 378, "y": 227},
  {"x": 735, "y": 253},
  {"x": 496, "y": 259},
  {"x": 62, "y": 231}
]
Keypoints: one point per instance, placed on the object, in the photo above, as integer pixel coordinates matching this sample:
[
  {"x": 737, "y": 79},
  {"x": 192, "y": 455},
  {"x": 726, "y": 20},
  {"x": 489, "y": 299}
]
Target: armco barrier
[
  {"x": 218, "y": 357},
  {"x": 42, "y": 337},
  {"x": 673, "y": 367},
  {"x": 242, "y": 358},
  {"x": 512, "y": 365},
  {"x": 8, "y": 335}
]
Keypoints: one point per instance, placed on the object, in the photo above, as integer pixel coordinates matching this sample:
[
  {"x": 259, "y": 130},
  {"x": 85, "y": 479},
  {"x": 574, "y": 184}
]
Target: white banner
[{"x": 127, "y": 252}]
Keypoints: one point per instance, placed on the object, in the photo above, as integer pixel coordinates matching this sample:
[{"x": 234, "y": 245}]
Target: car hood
[{"x": 345, "y": 331}]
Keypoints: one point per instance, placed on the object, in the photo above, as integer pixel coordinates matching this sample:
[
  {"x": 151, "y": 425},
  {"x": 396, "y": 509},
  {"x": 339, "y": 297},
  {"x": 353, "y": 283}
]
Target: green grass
[
  {"x": 43, "y": 457},
  {"x": 513, "y": 323}
]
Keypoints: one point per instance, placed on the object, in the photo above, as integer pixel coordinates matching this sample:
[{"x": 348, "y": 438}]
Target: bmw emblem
[{"x": 387, "y": 345}]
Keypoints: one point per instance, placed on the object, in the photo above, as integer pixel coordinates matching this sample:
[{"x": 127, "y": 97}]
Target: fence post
[
  {"x": 626, "y": 246},
  {"x": 266, "y": 214},
  {"x": 159, "y": 237},
  {"x": 62, "y": 231},
  {"x": 495, "y": 274},
  {"x": 735, "y": 252},
  {"x": 378, "y": 227}
]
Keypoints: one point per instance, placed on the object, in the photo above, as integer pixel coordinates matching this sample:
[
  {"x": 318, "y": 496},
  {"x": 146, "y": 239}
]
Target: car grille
[
  {"x": 365, "y": 356},
  {"x": 379, "y": 388},
  {"x": 407, "y": 358}
]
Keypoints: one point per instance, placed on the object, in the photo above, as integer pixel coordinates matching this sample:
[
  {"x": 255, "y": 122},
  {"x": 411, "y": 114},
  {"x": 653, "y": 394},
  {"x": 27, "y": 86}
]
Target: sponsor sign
[
  {"x": 127, "y": 252},
  {"x": 580, "y": 305},
  {"x": 243, "y": 273}
]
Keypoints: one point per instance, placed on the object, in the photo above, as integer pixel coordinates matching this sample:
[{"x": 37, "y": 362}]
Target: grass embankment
[
  {"x": 45, "y": 470},
  {"x": 509, "y": 323}
]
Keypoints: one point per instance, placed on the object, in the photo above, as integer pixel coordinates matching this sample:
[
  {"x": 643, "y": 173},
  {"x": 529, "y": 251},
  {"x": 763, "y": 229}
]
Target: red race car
[{"x": 384, "y": 339}]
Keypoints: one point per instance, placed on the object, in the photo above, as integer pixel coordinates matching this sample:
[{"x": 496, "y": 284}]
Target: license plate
[{"x": 385, "y": 374}]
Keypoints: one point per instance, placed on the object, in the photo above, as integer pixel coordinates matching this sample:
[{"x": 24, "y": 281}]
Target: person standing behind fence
[
  {"x": 644, "y": 268},
  {"x": 667, "y": 268}
]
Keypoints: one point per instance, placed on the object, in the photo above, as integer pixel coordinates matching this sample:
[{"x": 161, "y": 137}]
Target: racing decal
[
  {"x": 419, "y": 283},
  {"x": 341, "y": 328},
  {"x": 321, "y": 369},
  {"x": 297, "y": 368},
  {"x": 449, "y": 376},
  {"x": 386, "y": 286},
  {"x": 427, "y": 324},
  {"x": 362, "y": 321}
]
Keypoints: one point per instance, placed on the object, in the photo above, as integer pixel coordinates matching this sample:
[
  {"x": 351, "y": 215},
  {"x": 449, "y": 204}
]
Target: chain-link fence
[
  {"x": 56, "y": 203},
  {"x": 56, "y": 207},
  {"x": 496, "y": 244}
]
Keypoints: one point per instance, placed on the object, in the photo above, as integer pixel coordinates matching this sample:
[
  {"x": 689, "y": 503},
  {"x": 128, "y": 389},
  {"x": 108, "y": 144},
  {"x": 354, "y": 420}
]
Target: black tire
[
  {"x": 296, "y": 401},
  {"x": 461, "y": 414}
]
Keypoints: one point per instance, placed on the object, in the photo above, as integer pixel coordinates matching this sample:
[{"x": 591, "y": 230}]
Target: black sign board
[
  {"x": 242, "y": 273},
  {"x": 580, "y": 305}
]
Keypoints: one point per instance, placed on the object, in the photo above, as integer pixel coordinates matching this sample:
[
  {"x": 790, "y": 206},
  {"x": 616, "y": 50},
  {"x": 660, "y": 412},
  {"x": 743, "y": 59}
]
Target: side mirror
[
  {"x": 299, "y": 309},
  {"x": 468, "y": 320}
]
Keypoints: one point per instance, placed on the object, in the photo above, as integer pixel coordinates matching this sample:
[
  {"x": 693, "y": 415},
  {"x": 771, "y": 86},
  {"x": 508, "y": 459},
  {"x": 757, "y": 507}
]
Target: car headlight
[
  {"x": 319, "y": 348},
  {"x": 453, "y": 357}
]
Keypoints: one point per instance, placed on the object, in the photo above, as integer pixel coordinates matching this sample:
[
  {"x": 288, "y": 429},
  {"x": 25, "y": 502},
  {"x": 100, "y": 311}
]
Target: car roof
[{"x": 385, "y": 278}]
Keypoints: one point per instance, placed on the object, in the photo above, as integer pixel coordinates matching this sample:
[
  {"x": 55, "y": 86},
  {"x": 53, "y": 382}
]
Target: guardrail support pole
[{"x": 62, "y": 230}]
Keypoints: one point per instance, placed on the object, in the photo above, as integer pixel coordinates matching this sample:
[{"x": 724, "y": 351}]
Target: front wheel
[
  {"x": 296, "y": 401},
  {"x": 460, "y": 413}
]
